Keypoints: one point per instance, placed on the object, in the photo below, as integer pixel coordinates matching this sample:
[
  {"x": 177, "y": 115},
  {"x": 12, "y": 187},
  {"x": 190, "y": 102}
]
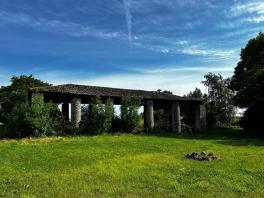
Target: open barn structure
[{"x": 175, "y": 108}]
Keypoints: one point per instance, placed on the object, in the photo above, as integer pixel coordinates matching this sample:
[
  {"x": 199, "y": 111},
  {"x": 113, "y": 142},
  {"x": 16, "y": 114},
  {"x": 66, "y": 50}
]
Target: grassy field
[{"x": 132, "y": 166}]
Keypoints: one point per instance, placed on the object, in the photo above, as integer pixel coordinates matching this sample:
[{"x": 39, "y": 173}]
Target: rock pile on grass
[{"x": 202, "y": 156}]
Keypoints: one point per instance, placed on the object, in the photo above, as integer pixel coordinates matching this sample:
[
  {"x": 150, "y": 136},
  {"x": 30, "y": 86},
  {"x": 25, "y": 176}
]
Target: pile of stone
[{"x": 202, "y": 156}]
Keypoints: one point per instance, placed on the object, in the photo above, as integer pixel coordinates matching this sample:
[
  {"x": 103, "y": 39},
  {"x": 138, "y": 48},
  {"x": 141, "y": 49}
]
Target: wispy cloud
[
  {"x": 127, "y": 8},
  {"x": 254, "y": 19},
  {"x": 184, "y": 69},
  {"x": 188, "y": 47},
  {"x": 247, "y": 12},
  {"x": 195, "y": 50},
  {"x": 69, "y": 28},
  {"x": 255, "y": 7}
]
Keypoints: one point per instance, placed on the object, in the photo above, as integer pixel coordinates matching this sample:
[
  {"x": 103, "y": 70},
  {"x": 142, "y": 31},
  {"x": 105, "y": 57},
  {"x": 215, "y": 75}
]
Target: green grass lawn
[{"x": 132, "y": 166}]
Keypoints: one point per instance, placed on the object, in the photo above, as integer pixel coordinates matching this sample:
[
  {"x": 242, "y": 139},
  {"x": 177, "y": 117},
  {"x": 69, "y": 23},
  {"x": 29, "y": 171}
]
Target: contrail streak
[{"x": 127, "y": 6}]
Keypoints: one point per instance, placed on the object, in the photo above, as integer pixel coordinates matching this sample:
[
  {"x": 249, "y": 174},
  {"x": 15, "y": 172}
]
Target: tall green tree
[
  {"x": 248, "y": 83},
  {"x": 16, "y": 93},
  {"x": 219, "y": 103}
]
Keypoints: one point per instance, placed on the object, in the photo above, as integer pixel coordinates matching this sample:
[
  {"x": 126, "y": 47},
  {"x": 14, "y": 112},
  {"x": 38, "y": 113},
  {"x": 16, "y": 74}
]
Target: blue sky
[{"x": 142, "y": 44}]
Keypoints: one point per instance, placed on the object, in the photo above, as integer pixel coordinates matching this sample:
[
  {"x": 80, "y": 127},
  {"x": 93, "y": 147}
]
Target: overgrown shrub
[
  {"x": 39, "y": 117},
  {"x": 129, "y": 114},
  {"x": 108, "y": 117},
  {"x": 34, "y": 119},
  {"x": 17, "y": 123},
  {"x": 97, "y": 117},
  {"x": 116, "y": 124},
  {"x": 4, "y": 132},
  {"x": 60, "y": 124}
]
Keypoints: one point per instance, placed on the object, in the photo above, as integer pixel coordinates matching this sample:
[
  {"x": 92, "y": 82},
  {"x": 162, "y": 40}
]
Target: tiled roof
[{"x": 106, "y": 91}]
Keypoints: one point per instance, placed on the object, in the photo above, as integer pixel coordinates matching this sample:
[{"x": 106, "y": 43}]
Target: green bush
[
  {"x": 17, "y": 123},
  {"x": 97, "y": 117},
  {"x": 129, "y": 114},
  {"x": 34, "y": 119},
  {"x": 108, "y": 116},
  {"x": 116, "y": 124},
  {"x": 60, "y": 124},
  {"x": 39, "y": 117}
]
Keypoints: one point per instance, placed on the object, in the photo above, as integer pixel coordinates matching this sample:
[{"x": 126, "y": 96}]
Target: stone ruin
[
  {"x": 202, "y": 156},
  {"x": 174, "y": 106}
]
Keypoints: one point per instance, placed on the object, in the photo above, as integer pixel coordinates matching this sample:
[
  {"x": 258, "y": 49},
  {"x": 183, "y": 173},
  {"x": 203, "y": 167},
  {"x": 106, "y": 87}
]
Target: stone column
[
  {"x": 197, "y": 121},
  {"x": 200, "y": 118},
  {"x": 76, "y": 111},
  {"x": 65, "y": 110},
  {"x": 149, "y": 115},
  {"x": 203, "y": 117},
  {"x": 176, "y": 117}
]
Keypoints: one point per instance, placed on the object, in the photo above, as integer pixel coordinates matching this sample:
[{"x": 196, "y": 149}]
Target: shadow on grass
[{"x": 221, "y": 135}]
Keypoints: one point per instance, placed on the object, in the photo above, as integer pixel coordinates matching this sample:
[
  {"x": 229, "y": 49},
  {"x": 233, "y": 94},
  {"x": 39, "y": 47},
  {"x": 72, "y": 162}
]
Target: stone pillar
[
  {"x": 203, "y": 117},
  {"x": 200, "y": 118},
  {"x": 76, "y": 111},
  {"x": 149, "y": 115},
  {"x": 197, "y": 119},
  {"x": 176, "y": 117},
  {"x": 65, "y": 110}
]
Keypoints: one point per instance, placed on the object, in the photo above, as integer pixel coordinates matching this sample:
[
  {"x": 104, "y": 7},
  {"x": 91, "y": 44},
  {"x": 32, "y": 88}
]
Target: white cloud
[
  {"x": 165, "y": 51},
  {"x": 184, "y": 69},
  {"x": 254, "y": 19},
  {"x": 256, "y": 7},
  {"x": 182, "y": 42},
  {"x": 189, "y": 47},
  {"x": 195, "y": 50},
  {"x": 250, "y": 12}
]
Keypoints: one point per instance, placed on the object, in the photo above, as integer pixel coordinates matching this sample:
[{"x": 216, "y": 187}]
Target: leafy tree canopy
[
  {"x": 248, "y": 84},
  {"x": 218, "y": 99},
  {"x": 248, "y": 79},
  {"x": 16, "y": 93},
  {"x": 197, "y": 93},
  {"x": 220, "y": 107}
]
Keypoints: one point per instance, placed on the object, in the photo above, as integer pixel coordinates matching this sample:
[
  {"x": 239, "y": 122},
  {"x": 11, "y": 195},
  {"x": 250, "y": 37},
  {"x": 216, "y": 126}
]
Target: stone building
[{"x": 175, "y": 107}]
